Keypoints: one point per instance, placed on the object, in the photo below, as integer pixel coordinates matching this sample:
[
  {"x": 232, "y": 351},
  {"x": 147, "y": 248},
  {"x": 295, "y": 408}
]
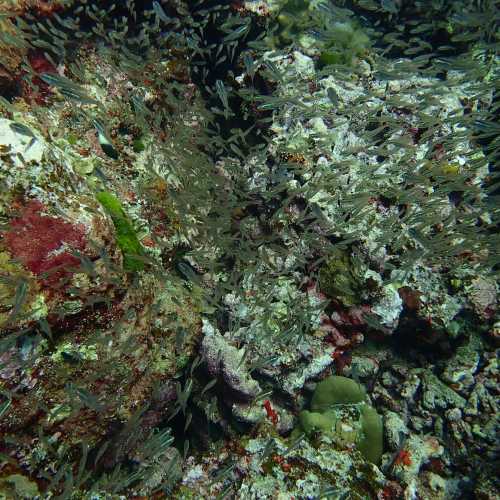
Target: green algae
[
  {"x": 138, "y": 145},
  {"x": 126, "y": 236},
  {"x": 19, "y": 295},
  {"x": 293, "y": 19},
  {"x": 18, "y": 486},
  {"x": 346, "y": 43},
  {"x": 338, "y": 42},
  {"x": 338, "y": 278}
]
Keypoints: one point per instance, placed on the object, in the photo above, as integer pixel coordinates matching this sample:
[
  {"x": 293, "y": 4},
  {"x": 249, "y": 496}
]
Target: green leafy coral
[{"x": 126, "y": 237}]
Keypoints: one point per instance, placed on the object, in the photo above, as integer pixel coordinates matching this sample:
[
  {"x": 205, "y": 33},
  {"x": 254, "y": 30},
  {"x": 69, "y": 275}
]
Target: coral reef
[{"x": 248, "y": 249}]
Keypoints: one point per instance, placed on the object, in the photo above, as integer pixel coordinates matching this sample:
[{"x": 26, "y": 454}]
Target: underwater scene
[{"x": 249, "y": 249}]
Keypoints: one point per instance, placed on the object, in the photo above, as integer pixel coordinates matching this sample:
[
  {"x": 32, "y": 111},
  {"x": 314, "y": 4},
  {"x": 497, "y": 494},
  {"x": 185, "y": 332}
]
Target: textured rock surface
[{"x": 204, "y": 223}]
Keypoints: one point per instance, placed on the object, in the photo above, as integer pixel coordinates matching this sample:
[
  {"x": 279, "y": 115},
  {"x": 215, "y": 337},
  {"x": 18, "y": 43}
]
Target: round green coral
[
  {"x": 331, "y": 398},
  {"x": 336, "y": 390}
]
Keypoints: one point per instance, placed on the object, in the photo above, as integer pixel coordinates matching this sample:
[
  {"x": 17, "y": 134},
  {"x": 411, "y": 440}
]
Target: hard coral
[
  {"x": 41, "y": 242},
  {"x": 329, "y": 397}
]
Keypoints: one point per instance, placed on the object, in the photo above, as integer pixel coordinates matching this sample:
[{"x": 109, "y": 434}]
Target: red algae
[
  {"x": 271, "y": 413},
  {"x": 403, "y": 458},
  {"x": 41, "y": 242}
]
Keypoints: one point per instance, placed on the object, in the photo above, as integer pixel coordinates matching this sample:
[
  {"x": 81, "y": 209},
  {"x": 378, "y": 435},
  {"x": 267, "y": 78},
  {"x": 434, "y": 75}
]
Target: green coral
[
  {"x": 322, "y": 422},
  {"x": 337, "y": 390},
  {"x": 341, "y": 413},
  {"x": 371, "y": 443},
  {"x": 125, "y": 234}
]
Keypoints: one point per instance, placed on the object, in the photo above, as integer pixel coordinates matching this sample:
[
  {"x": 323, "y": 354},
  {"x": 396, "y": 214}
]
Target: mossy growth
[
  {"x": 345, "y": 42},
  {"x": 293, "y": 19},
  {"x": 126, "y": 237},
  {"x": 339, "y": 41},
  {"x": 339, "y": 278},
  {"x": 18, "y": 486},
  {"x": 18, "y": 293},
  {"x": 340, "y": 412}
]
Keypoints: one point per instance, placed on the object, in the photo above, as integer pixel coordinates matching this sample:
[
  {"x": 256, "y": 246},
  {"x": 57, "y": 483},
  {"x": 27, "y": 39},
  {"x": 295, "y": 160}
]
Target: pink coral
[{"x": 41, "y": 242}]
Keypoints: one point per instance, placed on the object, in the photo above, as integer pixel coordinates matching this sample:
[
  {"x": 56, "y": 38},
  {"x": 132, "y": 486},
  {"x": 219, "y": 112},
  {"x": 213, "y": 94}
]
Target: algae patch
[
  {"x": 341, "y": 278},
  {"x": 126, "y": 236}
]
